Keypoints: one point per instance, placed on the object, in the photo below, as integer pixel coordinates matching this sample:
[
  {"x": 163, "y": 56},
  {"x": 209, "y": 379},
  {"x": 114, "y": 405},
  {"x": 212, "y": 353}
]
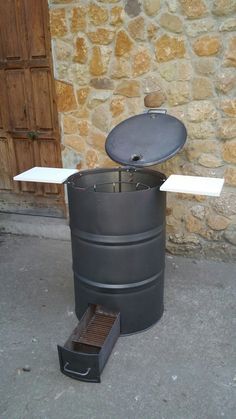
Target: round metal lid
[{"x": 146, "y": 139}]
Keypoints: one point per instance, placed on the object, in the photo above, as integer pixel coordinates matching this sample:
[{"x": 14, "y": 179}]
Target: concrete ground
[{"x": 182, "y": 368}]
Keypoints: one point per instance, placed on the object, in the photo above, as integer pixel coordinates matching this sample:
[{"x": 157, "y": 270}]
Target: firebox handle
[
  {"x": 82, "y": 374},
  {"x": 157, "y": 110}
]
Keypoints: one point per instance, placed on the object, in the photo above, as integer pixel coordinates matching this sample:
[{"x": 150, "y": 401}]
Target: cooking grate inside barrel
[
  {"x": 118, "y": 187},
  {"x": 96, "y": 330}
]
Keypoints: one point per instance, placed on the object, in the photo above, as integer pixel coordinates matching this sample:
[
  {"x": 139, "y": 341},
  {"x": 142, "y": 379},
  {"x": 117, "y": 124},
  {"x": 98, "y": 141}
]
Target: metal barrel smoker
[{"x": 117, "y": 221}]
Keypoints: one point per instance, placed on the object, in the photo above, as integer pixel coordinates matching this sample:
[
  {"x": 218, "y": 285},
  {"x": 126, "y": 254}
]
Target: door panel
[
  {"x": 47, "y": 151},
  {"x": 29, "y": 129},
  {"x": 11, "y": 30},
  {"x": 25, "y": 160},
  {"x": 35, "y": 22},
  {"x": 17, "y": 99},
  {"x": 43, "y": 101},
  {"x": 5, "y": 167}
]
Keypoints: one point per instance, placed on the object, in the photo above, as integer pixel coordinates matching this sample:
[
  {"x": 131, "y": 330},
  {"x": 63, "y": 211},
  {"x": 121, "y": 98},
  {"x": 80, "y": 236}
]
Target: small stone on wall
[
  {"x": 171, "y": 22},
  {"x": 193, "y": 8},
  {"x": 207, "y": 45},
  {"x": 123, "y": 43},
  {"x": 81, "y": 51},
  {"x": 58, "y": 26},
  {"x": 129, "y": 88},
  {"x": 168, "y": 48},
  {"x": 97, "y": 15},
  {"x": 229, "y": 151},
  {"x": 142, "y": 62},
  {"x": 65, "y": 97},
  {"x": 133, "y": 7},
  {"x": 154, "y": 100},
  {"x": 151, "y": 7}
]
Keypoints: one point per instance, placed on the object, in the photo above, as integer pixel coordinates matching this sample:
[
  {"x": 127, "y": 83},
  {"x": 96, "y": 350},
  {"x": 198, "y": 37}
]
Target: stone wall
[{"x": 111, "y": 57}]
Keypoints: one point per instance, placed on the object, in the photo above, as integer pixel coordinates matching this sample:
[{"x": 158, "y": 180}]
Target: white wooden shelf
[
  {"x": 45, "y": 175},
  {"x": 196, "y": 185}
]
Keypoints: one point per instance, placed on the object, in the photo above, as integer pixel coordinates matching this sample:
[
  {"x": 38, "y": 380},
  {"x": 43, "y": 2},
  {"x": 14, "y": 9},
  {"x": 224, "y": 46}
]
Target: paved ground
[{"x": 182, "y": 368}]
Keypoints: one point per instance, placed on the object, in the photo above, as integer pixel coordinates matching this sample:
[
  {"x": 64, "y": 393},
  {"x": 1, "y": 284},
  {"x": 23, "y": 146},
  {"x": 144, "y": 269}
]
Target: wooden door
[{"x": 29, "y": 130}]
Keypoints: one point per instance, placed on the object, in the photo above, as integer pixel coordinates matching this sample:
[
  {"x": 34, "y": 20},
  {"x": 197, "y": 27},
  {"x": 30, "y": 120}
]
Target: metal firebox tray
[{"x": 87, "y": 350}]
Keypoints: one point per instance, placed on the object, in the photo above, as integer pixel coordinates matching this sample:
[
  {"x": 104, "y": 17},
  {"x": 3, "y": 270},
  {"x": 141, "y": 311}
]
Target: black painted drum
[{"x": 117, "y": 221}]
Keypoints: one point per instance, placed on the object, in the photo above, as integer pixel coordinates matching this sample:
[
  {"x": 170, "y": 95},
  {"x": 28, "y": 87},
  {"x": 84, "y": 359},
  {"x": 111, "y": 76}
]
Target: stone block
[
  {"x": 217, "y": 222},
  {"x": 136, "y": 28},
  {"x": 97, "y": 65},
  {"x": 71, "y": 157},
  {"x": 229, "y": 151},
  {"x": 205, "y": 66},
  {"x": 133, "y": 7},
  {"x": 223, "y": 7},
  {"x": 207, "y": 45},
  {"x": 230, "y": 54},
  {"x": 78, "y": 19},
  {"x": 152, "y": 7},
  {"x": 117, "y": 107},
  {"x": 101, "y": 36},
  {"x": 225, "y": 80},
  {"x": 75, "y": 142},
  {"x": 141, "y": 62},
  {"x": 152, "y": 29},
  {"x": 128, "y": 88},
  {"x": 83, "y": 128},
  {"x": 97, "y": 15},
  {"x": 91, "y": 159},
  {"x": 209, "y": 160},
  {"x": 82, "y": 95},
  {"x": 70, "y": 125},
  {"x": 193, "y": 225},
  {"x": 151, "y": 83},
  {"x": 201, "y": 130},
  {"x": 81, "y": 54},
  {"x": 193, "y": 9},
  {"x": 230, "y": 235},
  {"x": 228, "y": 25},
  {"x": 194, "y": 149},
  {"x": 101, "y": 118},
  {"x": 96, "y": 139},
  {"x": 171, "y": 22},
  {"x": 169, "y": 48},
  {"x": 198, "y": 27},
  {"x": 78, "y": 74},
  {"x": 58, "y": 25},
  {"x": 98, "y": 97},
  {"x": 65, "y": 96},
  {"x": 154, "y": 99},
  {"x": 102, "y": 83},
  {"x": 63, "y": 50},
  {"x": 227, "y": 129},
  {"x": 225, "y": 204},
  {"x": 178, "y": 93},
  {"x": 120, "y": 68},
  {"x": 123, "y": 43},
  {"x": 228, "y": 106},
  {"x": 201, "y": 111},
  {"x": 230, "y": 176},
  {"x": 202, "y": 88},
  {"x": 198, "y": 211},
  {"x": 117, "y": 16}
]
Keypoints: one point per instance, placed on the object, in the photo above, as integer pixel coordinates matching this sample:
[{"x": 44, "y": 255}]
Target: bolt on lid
[{"x": 146, "y": 139}]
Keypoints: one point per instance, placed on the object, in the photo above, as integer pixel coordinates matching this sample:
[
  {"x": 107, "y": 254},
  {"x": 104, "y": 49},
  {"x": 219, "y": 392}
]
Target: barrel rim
[{"x": 71, "y": 179}]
